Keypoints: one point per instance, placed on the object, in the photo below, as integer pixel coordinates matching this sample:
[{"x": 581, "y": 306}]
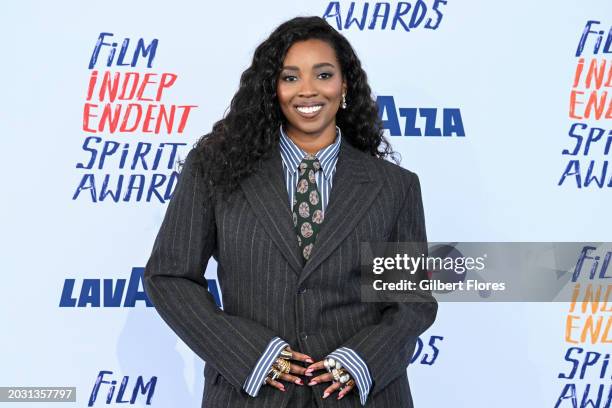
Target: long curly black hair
[{"x": 249, "y": 130}]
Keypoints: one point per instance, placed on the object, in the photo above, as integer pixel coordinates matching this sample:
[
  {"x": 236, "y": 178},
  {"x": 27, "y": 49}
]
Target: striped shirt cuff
[
  {"x": 357, "y": 368},
  {"x": 254, "y": 381}
]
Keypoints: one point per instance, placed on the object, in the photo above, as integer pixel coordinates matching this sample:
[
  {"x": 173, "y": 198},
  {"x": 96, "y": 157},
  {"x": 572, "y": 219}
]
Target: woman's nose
[{"x": 307, "y": 88}]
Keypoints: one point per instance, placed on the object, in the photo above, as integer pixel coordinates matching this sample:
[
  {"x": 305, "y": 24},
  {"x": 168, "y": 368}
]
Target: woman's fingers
[
  {"x": 308, "y": 371},
  {"x": 296, "y": 355},
  {"x": 313, "y": 367},
  {"x": 275, "y": 384},
  {"x": 319, "y": 365},
  {"x": 291, "y": 378},
  {"x": 285, "y": 377},
  {"x": 321, "y": 378},
  {"x": 331, "y": 389},
  {"x": 297, "y": 369},
  {"x": 345, "y": 390},
  {"x": 280, "y": 365}
]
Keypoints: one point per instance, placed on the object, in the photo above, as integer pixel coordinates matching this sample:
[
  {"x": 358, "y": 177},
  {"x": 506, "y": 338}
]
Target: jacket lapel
[
  {"x": 355, "y": 186},
  {"x": 266, "y": 192},
  {"x": 354, "y": 189}
]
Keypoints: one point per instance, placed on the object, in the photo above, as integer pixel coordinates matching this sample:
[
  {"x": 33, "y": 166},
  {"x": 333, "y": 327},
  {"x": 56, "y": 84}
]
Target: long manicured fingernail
[
  {"x": 298, "y": 381},
  {"x": 312, "y": 382},
  {"x": 325, "y": 394},
  {"x": 309, "y": 360}
]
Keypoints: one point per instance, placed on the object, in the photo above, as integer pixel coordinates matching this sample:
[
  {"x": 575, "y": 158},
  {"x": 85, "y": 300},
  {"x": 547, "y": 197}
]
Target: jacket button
[
  {"x": 301, "y": 291},
  {"x": 304, "y": 336}
]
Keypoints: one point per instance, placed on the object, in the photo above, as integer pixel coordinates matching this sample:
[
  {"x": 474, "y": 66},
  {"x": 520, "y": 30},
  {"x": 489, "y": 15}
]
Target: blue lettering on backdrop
[
  {"x": 588, "y": 33},
  {"x": 141, "y": 49},
  {"x": 126, "y": 156},
  {"x": 580, "y": 365},
  {"x": 113, "y": 292},
  {"x": 591, "y": 136},
  {"x": 140, "y": 155},
  {"x": 594, "y": 260},
  {"x": 140, "y": 387},
  {"x": 452, "y": 122},
  {"x": 407, "y": 15},
  {"x": 426, "y": 359}
]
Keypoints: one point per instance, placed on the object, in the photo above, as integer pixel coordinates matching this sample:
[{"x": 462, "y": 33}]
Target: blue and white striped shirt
[{"x": 292, "y": 155}]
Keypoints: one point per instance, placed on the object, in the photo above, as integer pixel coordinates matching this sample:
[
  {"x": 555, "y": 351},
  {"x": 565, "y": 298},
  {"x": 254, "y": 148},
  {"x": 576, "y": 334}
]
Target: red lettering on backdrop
[
  {"x": 589, "y": 98},
  {"x": 138, "y": 113}
]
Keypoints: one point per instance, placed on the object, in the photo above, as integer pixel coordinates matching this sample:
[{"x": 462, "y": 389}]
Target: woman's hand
[
  {"x": 327, "y": 377},
  {"x": 293, "y": 368}
]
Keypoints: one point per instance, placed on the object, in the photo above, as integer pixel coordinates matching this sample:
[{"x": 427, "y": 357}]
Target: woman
[{"x": 282, "y": 192}]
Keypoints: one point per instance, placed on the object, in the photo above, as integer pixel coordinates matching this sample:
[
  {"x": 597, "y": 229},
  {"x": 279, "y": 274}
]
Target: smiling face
[{"x": 310, "y": 88}]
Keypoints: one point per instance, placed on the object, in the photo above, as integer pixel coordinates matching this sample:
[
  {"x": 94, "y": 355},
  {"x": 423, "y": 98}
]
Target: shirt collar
[{"x": 292, "y": 155}]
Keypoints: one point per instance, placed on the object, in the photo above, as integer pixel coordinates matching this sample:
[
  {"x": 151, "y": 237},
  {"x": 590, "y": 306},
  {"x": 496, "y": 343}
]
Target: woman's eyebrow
[{"x": 315, "y": 66}]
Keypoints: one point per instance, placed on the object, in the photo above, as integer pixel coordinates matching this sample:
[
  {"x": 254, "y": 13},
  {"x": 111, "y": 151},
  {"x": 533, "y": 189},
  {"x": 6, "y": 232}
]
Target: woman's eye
[{"x": 293, "y": 78}]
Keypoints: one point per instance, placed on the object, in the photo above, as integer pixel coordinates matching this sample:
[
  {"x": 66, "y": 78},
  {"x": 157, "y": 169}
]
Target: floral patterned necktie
[{"x": 307, "y": 207}]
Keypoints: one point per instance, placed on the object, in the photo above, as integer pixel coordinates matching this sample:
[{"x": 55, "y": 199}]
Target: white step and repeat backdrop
[{"x": 501, "y": 108}]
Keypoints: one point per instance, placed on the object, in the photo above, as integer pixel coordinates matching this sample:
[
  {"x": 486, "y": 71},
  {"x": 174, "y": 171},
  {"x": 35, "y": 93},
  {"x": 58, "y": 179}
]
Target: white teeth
[{"x": 309, "y": 109}]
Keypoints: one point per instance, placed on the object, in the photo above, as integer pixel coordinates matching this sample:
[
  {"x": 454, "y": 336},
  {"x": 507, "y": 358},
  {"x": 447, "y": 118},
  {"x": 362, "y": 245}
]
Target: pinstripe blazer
[{"x": 267, "y": 292}]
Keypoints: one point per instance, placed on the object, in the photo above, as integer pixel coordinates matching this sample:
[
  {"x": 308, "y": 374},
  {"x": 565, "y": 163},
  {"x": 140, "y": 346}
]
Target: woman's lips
[{"x": 309, "y": 112}]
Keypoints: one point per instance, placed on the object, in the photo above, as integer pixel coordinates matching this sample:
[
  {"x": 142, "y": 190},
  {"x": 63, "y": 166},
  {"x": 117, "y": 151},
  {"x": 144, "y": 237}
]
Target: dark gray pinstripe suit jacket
[{"x": 267, "y": 292}]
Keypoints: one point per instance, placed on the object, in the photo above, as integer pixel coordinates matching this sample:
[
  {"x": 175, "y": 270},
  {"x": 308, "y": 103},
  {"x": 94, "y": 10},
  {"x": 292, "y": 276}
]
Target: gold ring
[
  {"x": 275, "y": 373},
  {"x": 282, "y": 365}
]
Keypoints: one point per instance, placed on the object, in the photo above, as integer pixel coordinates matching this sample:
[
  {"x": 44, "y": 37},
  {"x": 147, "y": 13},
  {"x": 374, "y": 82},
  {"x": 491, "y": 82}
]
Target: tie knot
[{"x": 310, "y": 162}]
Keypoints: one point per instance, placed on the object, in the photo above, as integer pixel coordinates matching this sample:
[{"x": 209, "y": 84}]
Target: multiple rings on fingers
[
  {"x": 349, "y": 383},
  {"x": 282, "y": 365},
  {"x": 339, "y": 373},
  {"x": 275, "y": 373},
  {"x": 330, "y": 364},
  {"x": 279, "y": 367},
  {"x": 286, "y": 354}
]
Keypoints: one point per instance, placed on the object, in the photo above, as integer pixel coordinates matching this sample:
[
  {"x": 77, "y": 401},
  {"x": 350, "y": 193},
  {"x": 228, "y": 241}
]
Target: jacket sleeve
[
  {"x": 387, "y": 347},
  {"x": 357, "y": 368},
  {"x": 174, "y": 282},
  {"x": 263, "y": 366}
]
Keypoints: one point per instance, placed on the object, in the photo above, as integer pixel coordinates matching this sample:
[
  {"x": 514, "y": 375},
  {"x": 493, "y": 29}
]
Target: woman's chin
[{"x": 310, "y": 128}]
